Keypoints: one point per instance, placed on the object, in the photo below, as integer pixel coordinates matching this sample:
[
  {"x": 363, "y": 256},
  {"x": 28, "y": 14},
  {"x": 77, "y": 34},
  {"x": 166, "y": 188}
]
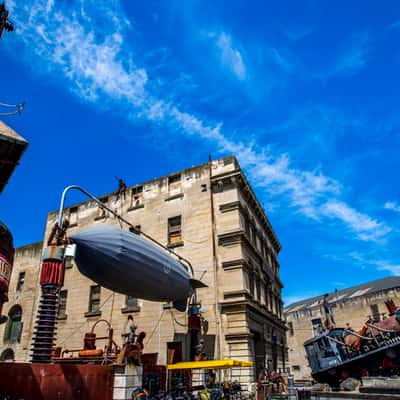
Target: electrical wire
[
  {"x": 176, "y": 321},
  {"x": 156, "y": 326}
]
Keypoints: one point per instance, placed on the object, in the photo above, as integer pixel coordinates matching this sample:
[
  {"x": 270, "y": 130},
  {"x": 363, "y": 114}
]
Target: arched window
[
  {"x": 13, "y": 331},
  {"x": 7, "y": 355}
]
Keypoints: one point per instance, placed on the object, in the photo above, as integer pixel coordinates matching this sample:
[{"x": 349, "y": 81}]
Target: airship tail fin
[
  {"x": 196, "y": 284},
  {"x": 180, "y": 305}
]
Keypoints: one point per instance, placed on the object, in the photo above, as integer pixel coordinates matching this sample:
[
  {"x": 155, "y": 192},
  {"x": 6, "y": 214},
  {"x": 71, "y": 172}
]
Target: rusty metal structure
[
  {"x": 56, "y": 381},
  {"x": 90, "y": 352}
]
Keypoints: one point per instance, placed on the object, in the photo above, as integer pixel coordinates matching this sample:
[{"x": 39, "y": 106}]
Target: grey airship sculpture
[{"x": 129, "y": 264}]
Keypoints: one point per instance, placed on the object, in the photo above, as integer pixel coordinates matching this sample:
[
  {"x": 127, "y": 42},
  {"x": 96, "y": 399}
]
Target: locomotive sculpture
[{"x": 339, "y": 353}]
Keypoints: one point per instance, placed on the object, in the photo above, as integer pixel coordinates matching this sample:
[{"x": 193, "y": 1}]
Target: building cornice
[{"x": 239, "y": 179}]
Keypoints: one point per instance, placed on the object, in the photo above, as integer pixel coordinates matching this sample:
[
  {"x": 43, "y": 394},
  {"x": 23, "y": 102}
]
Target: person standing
[
  {"x": 328, "y": 310},
  {"x": 131, "y": 328}
]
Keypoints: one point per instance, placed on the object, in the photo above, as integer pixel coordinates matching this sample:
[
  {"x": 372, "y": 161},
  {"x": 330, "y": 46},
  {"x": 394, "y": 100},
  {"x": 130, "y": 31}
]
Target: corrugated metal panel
[{"x": 56, "y": 381}]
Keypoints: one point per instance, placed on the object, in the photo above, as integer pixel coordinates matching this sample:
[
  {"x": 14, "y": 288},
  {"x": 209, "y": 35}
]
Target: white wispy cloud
[
  {"x": 280, "y": 60},
  {"x": 351, "y": 59},
  {"x": 99, "y": 67},
  {"x": 364, "y": 226},
  {"x": 380, "y": 264},
  {"x": 392, "y": 205},
  {"x": 230, "y": 54}
]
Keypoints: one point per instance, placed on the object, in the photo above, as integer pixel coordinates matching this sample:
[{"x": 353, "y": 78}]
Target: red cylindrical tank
[{"x": 6, "y": 264}]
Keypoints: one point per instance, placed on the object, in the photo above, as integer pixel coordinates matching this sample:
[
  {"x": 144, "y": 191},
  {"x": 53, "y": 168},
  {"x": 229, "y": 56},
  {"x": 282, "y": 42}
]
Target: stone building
[
  {"x": 24, "y": 289},
  {"x": 208, "y": 214},
  {"x": 352, "y": 306}
]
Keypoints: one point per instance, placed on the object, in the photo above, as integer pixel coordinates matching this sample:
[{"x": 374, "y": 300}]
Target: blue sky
[{"x": 305, "y": 94}]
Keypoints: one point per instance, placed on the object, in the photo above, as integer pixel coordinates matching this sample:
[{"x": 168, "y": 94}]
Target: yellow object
[
  {"x": 204, "y": 395},
  {"x": 210, "y": 364}
]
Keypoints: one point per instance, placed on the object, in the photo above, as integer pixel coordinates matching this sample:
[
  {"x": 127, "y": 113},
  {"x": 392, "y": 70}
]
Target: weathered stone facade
[
  {"x": 23, "y": 292},
  {"x": 351, "y": 306},
  {"x": 242, "y": 303}
]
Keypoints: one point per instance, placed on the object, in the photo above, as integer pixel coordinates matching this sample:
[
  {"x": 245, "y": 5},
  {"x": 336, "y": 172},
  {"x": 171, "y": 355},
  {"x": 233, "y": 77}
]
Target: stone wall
[{"x": 26, "y": 260}]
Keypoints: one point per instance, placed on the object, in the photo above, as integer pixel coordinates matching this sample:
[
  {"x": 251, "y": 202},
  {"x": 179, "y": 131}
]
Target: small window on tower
[
  {"x": 174, "y": 230},
  {"x": 21, "y": 281},
  {"x": 290, "y": 327},
  {"x": 174, "y": 184},
  {"x": 137, "y": 196},
  {"x": 174, "y": 179},
  {"x": 73, "y": 216},
  {"x": 102, "y": 212}
]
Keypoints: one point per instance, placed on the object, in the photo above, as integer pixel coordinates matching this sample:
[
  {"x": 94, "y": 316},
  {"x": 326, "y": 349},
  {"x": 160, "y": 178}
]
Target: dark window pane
[
  {"x": 94, "y": 299},
  {"x": 62, "y": 303},
  {"x": 21, "y": 280},
  {"x": 174, "y": 230},
  {"x": 131, "y": 301}
]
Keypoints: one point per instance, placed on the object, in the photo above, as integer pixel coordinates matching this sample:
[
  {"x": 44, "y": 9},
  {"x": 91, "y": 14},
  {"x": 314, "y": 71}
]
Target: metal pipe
[
  {"x": 381, "y": 329},
  {"x": 215, "y": 264},
  {"x": 101, "y": 205}
]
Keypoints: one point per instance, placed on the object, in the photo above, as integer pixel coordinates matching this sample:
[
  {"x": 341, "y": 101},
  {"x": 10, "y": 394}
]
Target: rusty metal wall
[{"x": 56, "y": 381}]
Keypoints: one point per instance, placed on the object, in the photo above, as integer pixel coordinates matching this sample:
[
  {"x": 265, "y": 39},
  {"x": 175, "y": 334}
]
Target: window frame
[
  {"x": 92, "y": 311},
  {"x": 175, "y": 230},
  {"x": 21, "y": 281},
  {"x": 62, "y": 304},
  {"x": 13, "y": 329}
]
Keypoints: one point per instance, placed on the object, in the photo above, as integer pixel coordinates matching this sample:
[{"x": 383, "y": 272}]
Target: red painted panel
[{"x": 56, "y": 381}]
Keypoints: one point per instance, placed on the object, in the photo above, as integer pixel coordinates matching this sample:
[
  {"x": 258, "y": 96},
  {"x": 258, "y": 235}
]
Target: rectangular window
[
  {"x": 290, "y": 327},
  {"x": 316, "y": 326},
  {"x": 251, "y": 283},
  {"x": 174, "y": 184},
  {"x": 101, "y": 212},
  {"x": 267, "y": 303},
  {"x": 254, "y": 235},
  {"x": 62, "y": 304},
  {"x": 131, "y": 302},
  {"x": 258, "y": 289},
  {"x": 94, "y": 298},
  {"x": 21, "y": 281},
  {"x": 73, "y": 216},
  {"x": 247, "y": 227},
  {"x": 137, "y": 196},
  {"x": 174, "y": 179},
  {"x": 375, "y": 312},
  {"x": 175, "y": 230}
]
